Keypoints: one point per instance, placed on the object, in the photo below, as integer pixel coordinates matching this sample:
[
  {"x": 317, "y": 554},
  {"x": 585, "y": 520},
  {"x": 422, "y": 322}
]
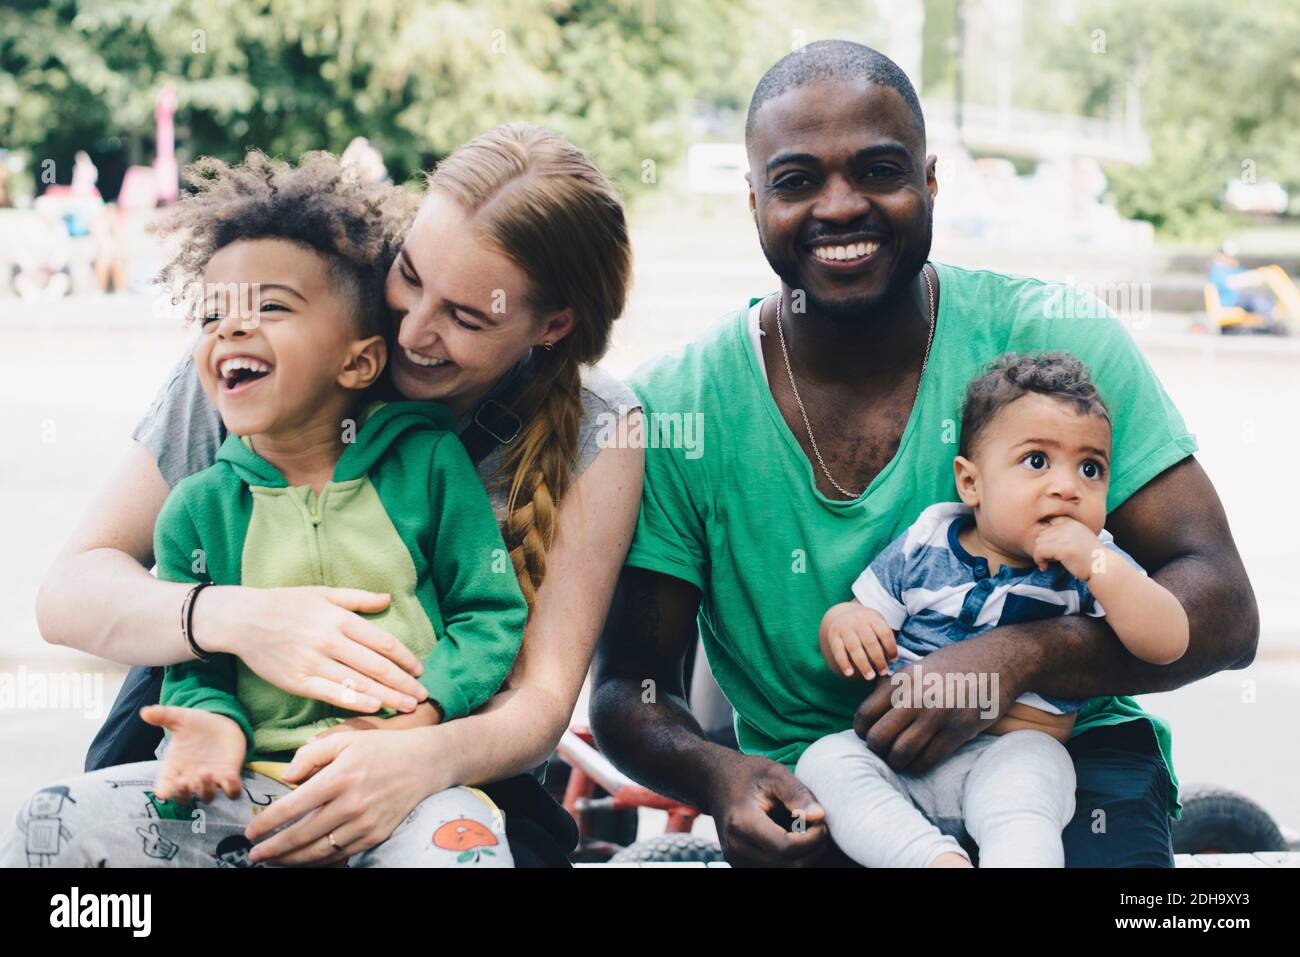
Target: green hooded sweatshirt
[{"x": 405, "y": 514}]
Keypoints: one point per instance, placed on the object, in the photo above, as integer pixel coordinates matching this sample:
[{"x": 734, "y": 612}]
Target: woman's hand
[
  {"x": 312, "y": 642},
  {"x": 359, "y": 787}
]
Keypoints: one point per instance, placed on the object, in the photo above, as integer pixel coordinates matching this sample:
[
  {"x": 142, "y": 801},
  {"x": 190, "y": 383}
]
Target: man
[
  {"x": 829, "y": 415},
  {"x": 1237, "y": 286}
]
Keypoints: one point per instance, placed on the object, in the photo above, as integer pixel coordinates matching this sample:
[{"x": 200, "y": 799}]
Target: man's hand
[
  {"x": 205, "y": 753},
  {"x": 856, "y": 638},
  {"x": 764, "y": 814},
  {"x": 766, "y": 817},
  {"x": 917, "y": 738},
  {"x": 1070, "y": 542}
]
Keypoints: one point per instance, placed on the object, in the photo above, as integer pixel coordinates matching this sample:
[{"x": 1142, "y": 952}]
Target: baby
[
  {"x": 1026, "y": 542},
  {"x": 316, "y": 484}
]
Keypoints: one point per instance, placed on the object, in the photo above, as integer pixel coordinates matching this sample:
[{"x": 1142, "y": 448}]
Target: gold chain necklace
[{"x": 929, "y": 288}]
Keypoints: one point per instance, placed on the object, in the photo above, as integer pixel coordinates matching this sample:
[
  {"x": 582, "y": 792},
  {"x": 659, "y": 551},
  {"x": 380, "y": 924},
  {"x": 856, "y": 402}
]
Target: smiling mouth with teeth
[
  {"x": 240, "y": 370},
  {"x": 845, "y": 253},
  {"x": 423, "y": 360}
]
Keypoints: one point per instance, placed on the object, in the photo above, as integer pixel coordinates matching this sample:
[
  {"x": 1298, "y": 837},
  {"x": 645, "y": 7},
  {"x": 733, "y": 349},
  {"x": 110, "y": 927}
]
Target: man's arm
[
  {"x": 639, "y": 711},
  {"x": 1176, "y": 528},
  {"x": 643, "y": 724}
]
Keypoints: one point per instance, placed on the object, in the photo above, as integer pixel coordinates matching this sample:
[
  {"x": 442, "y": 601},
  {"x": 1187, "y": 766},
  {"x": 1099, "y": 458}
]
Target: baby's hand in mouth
[{"x": 1068, "y": 541}]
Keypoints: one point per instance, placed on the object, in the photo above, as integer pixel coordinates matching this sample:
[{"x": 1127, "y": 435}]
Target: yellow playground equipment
[{"x": 1234, "y": 319}]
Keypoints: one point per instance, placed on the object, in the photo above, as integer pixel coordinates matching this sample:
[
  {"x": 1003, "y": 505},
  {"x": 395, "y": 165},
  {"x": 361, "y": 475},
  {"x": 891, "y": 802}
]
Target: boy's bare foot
[{"x": 951, "y": 859}]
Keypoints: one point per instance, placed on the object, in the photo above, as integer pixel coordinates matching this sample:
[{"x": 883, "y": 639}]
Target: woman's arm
[
  {"x": 362, "y": 784},
  {"x": 99, "y": 597},
  {"x": 523, "y": 723}
]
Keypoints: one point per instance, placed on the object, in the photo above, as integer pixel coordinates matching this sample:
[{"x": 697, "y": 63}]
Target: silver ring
[{"x": 333, "y": 843}]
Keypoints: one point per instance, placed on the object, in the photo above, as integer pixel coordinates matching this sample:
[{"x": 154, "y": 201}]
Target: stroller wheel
[
  {"x": 670, "y": 847},
  {"x": 1219, "y": 821}
]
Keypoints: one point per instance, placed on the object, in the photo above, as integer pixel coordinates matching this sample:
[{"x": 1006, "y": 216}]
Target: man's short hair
[
  {"x": 1010, "y": 376},
  {"x": 833, "y": 60}
]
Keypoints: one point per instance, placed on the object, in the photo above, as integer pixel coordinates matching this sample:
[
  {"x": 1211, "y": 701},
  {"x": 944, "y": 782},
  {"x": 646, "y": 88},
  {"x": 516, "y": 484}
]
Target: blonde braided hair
[{"x": 547, "y": 207}]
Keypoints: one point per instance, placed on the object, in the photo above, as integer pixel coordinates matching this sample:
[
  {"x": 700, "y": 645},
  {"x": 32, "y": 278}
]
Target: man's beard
[{"x": 854, "y": 310}]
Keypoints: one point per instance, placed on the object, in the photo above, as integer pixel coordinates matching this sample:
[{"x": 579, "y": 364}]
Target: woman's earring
[{"x": 548, "y": 345}]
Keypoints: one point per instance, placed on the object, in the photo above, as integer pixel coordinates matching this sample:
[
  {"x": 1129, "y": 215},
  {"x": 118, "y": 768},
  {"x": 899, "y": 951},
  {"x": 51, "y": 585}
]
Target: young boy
[
  {"x": 1025, "y": 542},
  {"x": 315, "y": 485}
]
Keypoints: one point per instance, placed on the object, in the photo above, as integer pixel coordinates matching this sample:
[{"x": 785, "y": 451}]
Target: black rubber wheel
[
  {"x": 617, "y": 827},
  {"x": 670, "y": 847},
  {"x": 1219, "y": 821}
]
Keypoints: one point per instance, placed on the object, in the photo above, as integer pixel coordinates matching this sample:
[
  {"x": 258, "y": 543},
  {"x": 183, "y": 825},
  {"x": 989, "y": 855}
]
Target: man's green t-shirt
[{"x": 731, "y": 506}]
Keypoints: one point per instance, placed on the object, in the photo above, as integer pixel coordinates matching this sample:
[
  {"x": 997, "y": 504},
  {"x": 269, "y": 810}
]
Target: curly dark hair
[
  {"x": 1007, "y": 378},
  {"x": 320, "y": 204}
]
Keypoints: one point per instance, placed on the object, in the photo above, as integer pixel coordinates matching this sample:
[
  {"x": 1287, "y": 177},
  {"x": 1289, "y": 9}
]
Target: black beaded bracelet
[{"x": 187, "y": 620}]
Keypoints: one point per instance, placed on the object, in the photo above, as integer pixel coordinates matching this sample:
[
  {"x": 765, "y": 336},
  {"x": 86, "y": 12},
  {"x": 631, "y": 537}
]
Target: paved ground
[{"x": 75, "y": 376}]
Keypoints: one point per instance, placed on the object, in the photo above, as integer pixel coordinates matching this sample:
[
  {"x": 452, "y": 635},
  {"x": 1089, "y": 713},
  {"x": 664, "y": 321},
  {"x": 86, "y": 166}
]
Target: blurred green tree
[
  {"x": 1220, "y": 95},
  {"x": 620, "y": 78}
]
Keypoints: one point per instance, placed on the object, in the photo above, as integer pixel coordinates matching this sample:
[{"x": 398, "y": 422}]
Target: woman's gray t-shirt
[{"x": 183, "y": 430}]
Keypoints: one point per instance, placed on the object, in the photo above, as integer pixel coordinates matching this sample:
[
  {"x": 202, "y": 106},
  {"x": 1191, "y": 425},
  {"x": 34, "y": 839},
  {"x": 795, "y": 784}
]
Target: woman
[{"x": 506, "y": 288}]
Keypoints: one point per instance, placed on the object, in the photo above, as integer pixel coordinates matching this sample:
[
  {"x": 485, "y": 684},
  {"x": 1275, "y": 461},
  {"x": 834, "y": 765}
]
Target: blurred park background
[{"x": 1148, "y": 152}]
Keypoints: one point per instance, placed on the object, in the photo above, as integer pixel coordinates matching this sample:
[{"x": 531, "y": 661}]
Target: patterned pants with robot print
[{"x": 112, "y": 818}]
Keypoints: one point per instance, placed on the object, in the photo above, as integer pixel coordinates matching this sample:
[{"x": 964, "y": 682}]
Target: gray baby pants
[{"x": 1012, "y": 794}]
